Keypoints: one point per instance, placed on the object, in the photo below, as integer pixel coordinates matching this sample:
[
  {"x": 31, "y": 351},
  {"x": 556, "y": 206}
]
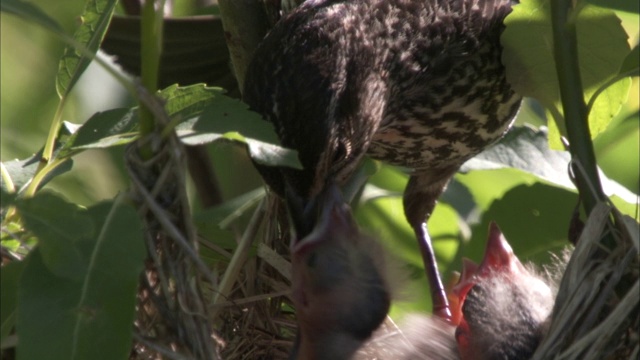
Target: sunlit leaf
[
  {"x": 607, "y": 105},
  {"x": 530, "y": 64},
  {"x": 618, "y": 152},
  {"x": 94, "y": 22},
  {"x": 526, "y": 149},
  {"x": 185, "y": 102}
]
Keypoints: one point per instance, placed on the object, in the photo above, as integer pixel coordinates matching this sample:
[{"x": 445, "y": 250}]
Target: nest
[
  {"x": 180, "y": 302},
  {"x": 596, "y": 311},
  {"x": 172, "y": 316},
  {"x": 256, "y": 316}
]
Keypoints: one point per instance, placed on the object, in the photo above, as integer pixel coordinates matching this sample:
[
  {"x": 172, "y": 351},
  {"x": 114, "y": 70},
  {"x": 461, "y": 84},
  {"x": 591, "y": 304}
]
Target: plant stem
[
  {"x": 151, "y": 48},
  {"x": 575, "y": 110}
]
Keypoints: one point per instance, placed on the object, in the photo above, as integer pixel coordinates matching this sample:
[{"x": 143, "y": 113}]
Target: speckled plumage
[
  {"x": 416, "y": 83},
  {"x": 413, "y": 83}
]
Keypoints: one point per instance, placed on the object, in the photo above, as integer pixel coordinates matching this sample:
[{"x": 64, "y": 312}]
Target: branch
[{"x": 574, "y": 107}]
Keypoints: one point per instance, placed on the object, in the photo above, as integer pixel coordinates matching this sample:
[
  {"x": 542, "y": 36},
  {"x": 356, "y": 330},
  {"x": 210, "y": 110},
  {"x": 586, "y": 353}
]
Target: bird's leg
[
  {"x": 438, "y": 295},
  {"x": 420, "y": 199}
]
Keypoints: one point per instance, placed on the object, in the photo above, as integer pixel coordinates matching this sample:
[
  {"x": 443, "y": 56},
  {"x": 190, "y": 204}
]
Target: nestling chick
[
  {"x": 500, "y": 311},
  {"x": 339, "y": 290},
  {"x": 501, "y": 307}
]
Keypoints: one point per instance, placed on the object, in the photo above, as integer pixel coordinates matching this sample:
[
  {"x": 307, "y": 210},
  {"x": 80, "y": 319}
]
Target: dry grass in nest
[
  {"x": 256, "y": 317},
  {"x": 596, "y": 311}
]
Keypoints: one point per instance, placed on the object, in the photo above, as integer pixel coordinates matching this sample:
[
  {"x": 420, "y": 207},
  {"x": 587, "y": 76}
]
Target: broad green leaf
[
  {"x": 618, "y": 152},
  {"x": 90, "y": 317},
  {"x": 94, "y": 22},
  {"x": 22, "y": 171},
  {"x": 105, "y": 129},
  {"x": 526, "y": 149},
  {"x": 529, "y": 60},
  {"x": 30, "y": 12},
  {"x": 10, "y": 276},
  {"x": 607, "y": 105},
  {"x": 58, "y": 225},
  {"x": 228, "y": 115},
  {"x": 227, "y": 118},
  {"x": 624, "y": 5},
  {"x": 185, "y": 102},
  {"x": 120, "y": 126},
  {"x": 534, "y": 219}
]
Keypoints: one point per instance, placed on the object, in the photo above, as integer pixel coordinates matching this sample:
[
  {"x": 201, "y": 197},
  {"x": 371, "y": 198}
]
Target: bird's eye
[{"x": 340, "y": 153}]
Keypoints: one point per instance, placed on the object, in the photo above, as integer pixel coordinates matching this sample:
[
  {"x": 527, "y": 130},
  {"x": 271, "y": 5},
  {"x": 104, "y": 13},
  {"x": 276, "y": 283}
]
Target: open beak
[{"x": 498, "y": 258}]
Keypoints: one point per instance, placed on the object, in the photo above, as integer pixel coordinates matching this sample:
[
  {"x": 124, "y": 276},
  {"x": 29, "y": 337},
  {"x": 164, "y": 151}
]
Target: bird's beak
[
  {"x": 498, "y": 258},
  {"x": 334, "y": 218}
]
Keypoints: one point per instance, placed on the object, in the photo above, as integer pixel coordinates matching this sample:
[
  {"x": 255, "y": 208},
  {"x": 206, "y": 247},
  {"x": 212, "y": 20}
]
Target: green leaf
[
  {"x": 10, "y": 276},
  {"x": 623, "y": 5},
  {"x": 528, "y": 150},
  {"x": 105, "y": 129},
  {"x": 607, "y": 105},
  {"x": 185, "y": 102},
  {"x": 120, "y": 126},
  {"x": 30, "y": 12},
  {"x": 91, "y": 317},
  {"x": 58, "y": 225},
  {"x": 532, "y": 223},
  {"x": 620, "y": 142},
  {"x": 94, "y": 22},
  {"x": 227, "y": 118},
  {"x": 22, "y": 171},
  {"x": 529, "y": 60},
  {"x": 631, "y": 64}
]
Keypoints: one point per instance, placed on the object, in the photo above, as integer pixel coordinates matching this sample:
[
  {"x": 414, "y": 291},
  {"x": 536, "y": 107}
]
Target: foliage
[{"x": 85, "y": 260}]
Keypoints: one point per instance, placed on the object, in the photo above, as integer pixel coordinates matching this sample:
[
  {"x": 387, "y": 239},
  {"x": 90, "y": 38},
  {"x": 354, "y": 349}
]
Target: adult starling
[
  {"x": 414, "y": 83},
  {"x": 339, "y": 286}
]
